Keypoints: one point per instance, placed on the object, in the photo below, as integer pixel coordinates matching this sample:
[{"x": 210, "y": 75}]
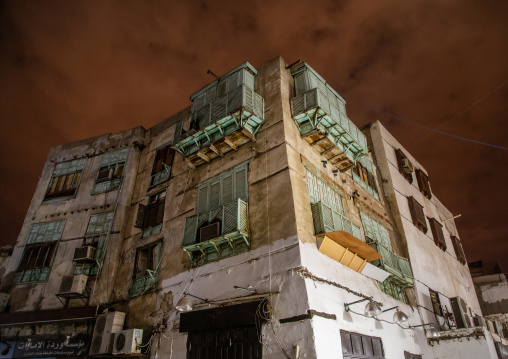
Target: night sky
[{"x": 75, "y": 69}]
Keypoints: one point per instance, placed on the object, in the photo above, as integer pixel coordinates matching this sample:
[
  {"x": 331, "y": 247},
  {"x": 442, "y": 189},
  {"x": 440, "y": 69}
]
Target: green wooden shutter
[
  {"x": 202, "y": 199},
  {"x": 241, "y": 183},
  {"x": 215, "y": 195},
  {"x": 227, "y": 189}
]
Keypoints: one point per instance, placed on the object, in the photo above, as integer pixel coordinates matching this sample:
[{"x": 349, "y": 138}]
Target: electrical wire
[{"x": 430, "y": 128}]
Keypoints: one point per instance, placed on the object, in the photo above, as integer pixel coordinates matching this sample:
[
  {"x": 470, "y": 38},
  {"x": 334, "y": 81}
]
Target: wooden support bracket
[
  {"x": 202, "y": 155},
  {"x": 215, "y": 150},
  {"x": 189, "y": 162},
  {"x": 249, "y": 135},
  {"x": 230, "y": 143}
]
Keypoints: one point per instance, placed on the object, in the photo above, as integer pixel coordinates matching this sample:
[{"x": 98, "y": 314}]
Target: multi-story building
[
  {"x": 492, "y": 290},
  {"x": 260, "y": 222}
]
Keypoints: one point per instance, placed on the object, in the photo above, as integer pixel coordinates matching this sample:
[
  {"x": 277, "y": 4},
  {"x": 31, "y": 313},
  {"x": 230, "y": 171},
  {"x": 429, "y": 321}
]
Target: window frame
[
  {"x": 162, "y": 163},
  {"x": 423, "y": 183},
  {"x": 437, "y": 233},
  {"x": 155, "y": 208},
  {"x": 459, "y": 251},
  {"x": 400, "y": 157},
  {"x": 437, "y": 307},
  {"x": 358, "y": 345},
  {"x": 66, "y": 174},
  {"x": 417, "y": 214},
  {"x": 41, "y": 235},
  {"x": 147, "y": 281},
  {"x": 97, "y": 239}
]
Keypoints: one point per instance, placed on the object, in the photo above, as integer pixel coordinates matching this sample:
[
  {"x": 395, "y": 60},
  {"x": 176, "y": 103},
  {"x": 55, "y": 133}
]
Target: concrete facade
[{"x": 288, "y": 178}]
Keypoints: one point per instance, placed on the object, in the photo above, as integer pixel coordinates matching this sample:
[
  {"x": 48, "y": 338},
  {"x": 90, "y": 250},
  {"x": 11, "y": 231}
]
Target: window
[
  {"x": 110, "y": 173},
  {"x": 375, "y": 231},
  {"x": 223, "y": 189},
  {"x": 437, "y": 233},
  {"x": 97, "y": 236},
  {"x": 417, "y": 214},
  {"x": 39, "y": 252},
  {"x": 146, "y": 269},
  {"x": 361, "y": 346},
  {"x": 408, "y": 355},
  {"x": 65, "y": 180},
  {"x": 459, "y": 252},
  {"x": 436, "y": 302},
  {"x": 363, "y": 174},
  {"x": 405, "y": 165},
  {"x": 423, "y": 183},
  {"x": 162, "y": 165},
  {"x": 151, "y": 216},
  {"x": 327, "y": 208},
  {"x": 220, "y": 227}
]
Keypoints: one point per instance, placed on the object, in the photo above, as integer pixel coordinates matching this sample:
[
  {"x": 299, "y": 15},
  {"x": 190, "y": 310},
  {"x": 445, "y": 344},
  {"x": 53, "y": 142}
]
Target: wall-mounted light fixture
[
  {"x": 335, "y": 172},
  {"x": 371, "y": 309},
  {"x": 324, "y": 163},
  {"x": 399, "y": 317},
  {"x": 185, "y": 304},
  {"x": 356, "y": 194},
  {"x": 431, "y": 332}
]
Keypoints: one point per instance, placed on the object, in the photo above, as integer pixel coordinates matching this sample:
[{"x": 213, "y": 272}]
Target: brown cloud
[{"x": 71, "y": 70}]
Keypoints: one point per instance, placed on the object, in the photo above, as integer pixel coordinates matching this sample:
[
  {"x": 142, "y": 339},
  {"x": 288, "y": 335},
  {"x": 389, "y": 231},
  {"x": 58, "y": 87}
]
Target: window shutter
[
  {"x": 140, "y": 219},
  {"x": 400, "y": 156},
  {"x": 227, "y": 189},
  {"x": 437, "y": 233},
  {"x": 459, "y": 252},
  {"x": 417, "y": 214},
  {"x": 357, "y": 344},
  {"x": 423, "y": 183},
  {"x": 241, "y": 183},
  {"x": 202, "y": 199},
  {"x": 346, "y": 343},
  {"x": 160, "y": 212},
  {"x": 377, "y": 346},
  {"x": 214, "y": 195}
]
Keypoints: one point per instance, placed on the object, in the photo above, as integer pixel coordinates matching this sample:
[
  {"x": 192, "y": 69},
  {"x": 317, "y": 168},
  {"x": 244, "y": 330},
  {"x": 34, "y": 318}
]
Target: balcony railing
[
  {"x": 107, "y": 186},
  {"x": 232, "y": 239},
  {"x": 160, "y": 177},
  {"x": 396, "y": 265},
  {"x": 34, "y": 275},
  {"x": 224, "y": 124},
  {"x": 143, "y": 285}
]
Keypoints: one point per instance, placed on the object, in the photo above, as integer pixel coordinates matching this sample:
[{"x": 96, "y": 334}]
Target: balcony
[
  {"x": 203, "y": 241},
  {"x": 225, "y": 115},
  {"x": 320, "y": 115},
  {"x": 394, "y": 264}
]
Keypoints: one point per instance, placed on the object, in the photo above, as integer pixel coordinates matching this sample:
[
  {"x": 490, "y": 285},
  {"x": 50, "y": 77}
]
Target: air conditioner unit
[
  {"x": 84, "y": 254},
  {"x": 73, "y": 284},
  {"x": 103, "y": 334},
  {"x": 459, "y": 308},
  {"x": 104, "y": 175},
  {"x": 479, "y": 321},
  {"x": 128, "y": 341},
  {"x": 210, "y": 231},
  {"x": 407, "y": 165},
  {"x": 4, "y": 300}
]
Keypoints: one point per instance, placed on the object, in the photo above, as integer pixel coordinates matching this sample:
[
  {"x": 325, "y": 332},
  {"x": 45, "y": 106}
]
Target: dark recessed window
[
  {"x": 405, "y": 165},
  {"x": 459, "y": 252},
  {"x": 423, "y": 183},
  {"x": 437, "y": 233},
  {"x": 417, "y": 214}
]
